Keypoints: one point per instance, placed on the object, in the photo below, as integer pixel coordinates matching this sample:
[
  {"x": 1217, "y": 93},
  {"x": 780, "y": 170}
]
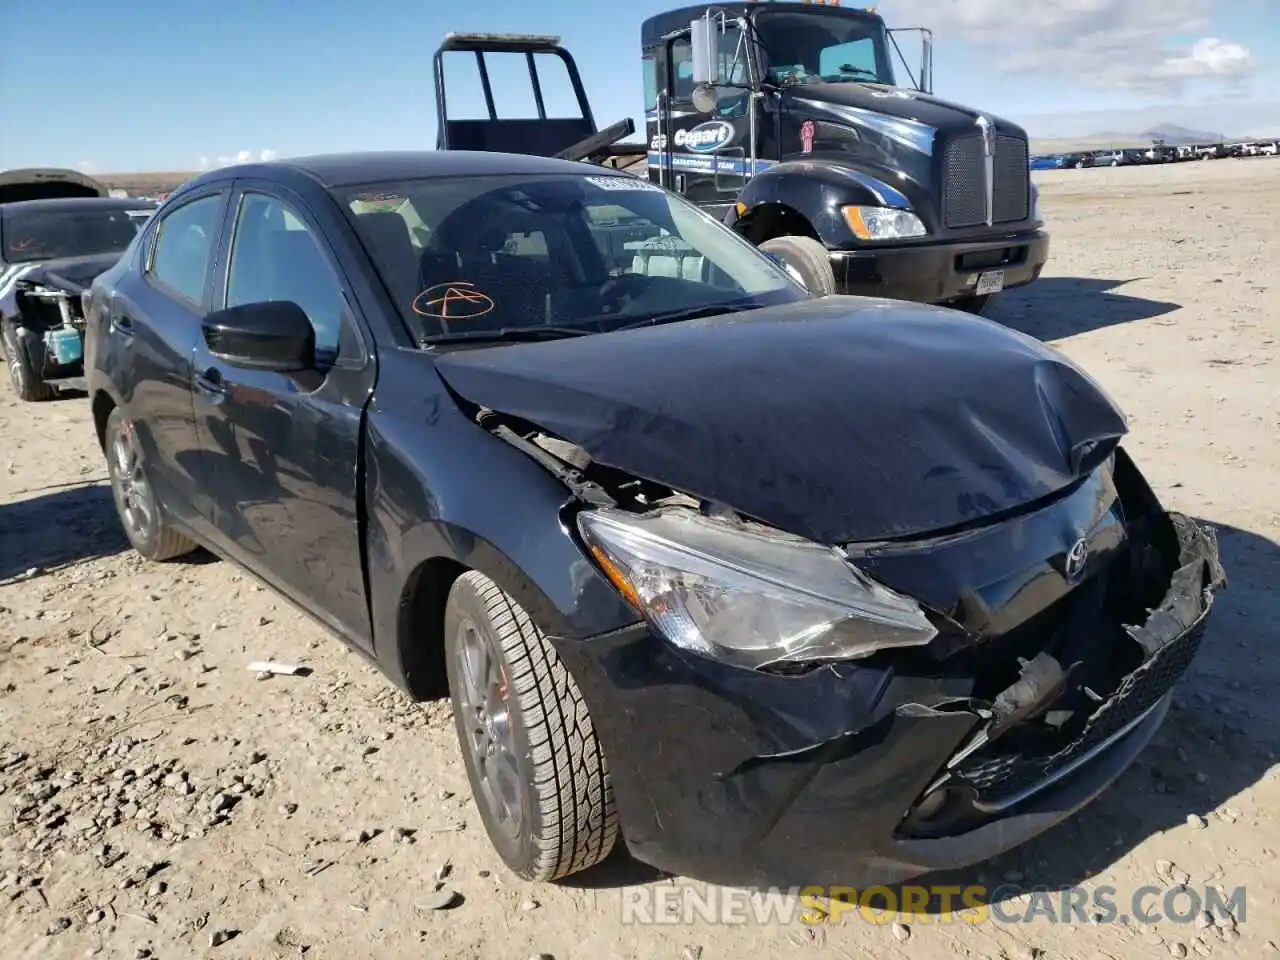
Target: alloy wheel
[
  {"x": 134, "y": 500},
  {"x": 489, "y": 737}
]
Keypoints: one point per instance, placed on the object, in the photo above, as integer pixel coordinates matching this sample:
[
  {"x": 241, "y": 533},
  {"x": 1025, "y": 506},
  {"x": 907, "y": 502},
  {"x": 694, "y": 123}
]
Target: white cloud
[
  {"x": 243, "y": 156},
  {"x": 87, "y": 166},
  {"x": 1209, "y": 57},
  {"x": 1116, "y": 44}
]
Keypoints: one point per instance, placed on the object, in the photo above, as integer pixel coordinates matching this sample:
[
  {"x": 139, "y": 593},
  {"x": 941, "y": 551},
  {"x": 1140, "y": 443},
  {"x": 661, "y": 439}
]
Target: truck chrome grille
[{"x": 964, "y": 201}]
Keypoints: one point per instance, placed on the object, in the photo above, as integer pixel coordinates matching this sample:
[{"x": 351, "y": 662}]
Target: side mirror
[
  {"x": 271, "y": 335},
  {"x": 702, "y": 41},
  {"x": 705, "y": 98}
]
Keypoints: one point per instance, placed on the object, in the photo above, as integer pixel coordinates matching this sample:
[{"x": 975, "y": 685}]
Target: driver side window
[{"x": 276, "y": 256}]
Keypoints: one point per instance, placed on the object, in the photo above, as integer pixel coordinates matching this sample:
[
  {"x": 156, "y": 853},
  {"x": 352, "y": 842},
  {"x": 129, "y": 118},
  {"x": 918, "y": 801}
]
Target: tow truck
[{"x": 786, "y": 120}]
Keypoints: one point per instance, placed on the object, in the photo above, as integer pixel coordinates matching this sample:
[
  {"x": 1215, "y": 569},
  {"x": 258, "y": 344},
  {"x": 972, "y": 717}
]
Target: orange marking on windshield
[{"x": 454, "y": 300}]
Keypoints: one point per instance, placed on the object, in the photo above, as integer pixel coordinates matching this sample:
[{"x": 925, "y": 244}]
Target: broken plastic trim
[
  {"x": 1181, "y": 613},
  {"x": 571, "y": 477}
]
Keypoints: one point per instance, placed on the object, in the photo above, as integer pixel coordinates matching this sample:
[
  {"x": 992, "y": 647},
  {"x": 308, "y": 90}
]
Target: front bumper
[
  {"x": 747, "y": 779},
  {"x": 938, "y": 273}
]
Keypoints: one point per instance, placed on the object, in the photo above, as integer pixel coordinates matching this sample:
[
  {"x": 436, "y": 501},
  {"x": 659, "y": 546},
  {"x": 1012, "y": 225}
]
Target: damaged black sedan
[
  {"x": 51, "y": 248},
  {"x": 776, "y": 589}
]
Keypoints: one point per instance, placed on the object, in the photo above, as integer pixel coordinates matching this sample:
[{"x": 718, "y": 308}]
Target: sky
[{"x": 178, "y": 85}]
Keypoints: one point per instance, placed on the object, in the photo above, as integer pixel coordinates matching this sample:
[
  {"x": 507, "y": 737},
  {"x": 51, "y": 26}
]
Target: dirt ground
[{"x": 159, "y": 799}]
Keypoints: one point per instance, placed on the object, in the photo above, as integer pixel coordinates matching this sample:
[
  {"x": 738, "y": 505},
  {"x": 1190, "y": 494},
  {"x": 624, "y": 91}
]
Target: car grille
[
  {"x": 964, "y": 197},
  {"x": 1000, "y": 776}
]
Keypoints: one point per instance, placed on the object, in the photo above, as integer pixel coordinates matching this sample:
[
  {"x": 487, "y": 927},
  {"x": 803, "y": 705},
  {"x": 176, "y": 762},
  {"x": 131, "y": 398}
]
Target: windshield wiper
[
  {"x": 507, "y": 334},
  {"x": 848, "y": 72},
  {"x": 689, "y": 313}
]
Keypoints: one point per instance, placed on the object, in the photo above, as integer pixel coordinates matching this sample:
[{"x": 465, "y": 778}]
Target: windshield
[
  {"x": 588, "y": 253},
  {"x": 33, "y": 234},
  {"x": 834, "y": 46}
]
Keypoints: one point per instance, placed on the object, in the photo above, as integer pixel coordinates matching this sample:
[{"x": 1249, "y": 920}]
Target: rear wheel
[
  {"x": 537, "y": 772},
  {"x": 136, "y": 503},
  {"x": 807, "y": 260}
]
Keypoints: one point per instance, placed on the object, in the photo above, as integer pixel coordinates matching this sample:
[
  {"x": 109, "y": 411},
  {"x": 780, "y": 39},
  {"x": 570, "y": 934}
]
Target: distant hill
[
  {"x": 144, "y": 184},
  {"x": 1170, "y": 133},
  {"x": 1173, "y": 134}
]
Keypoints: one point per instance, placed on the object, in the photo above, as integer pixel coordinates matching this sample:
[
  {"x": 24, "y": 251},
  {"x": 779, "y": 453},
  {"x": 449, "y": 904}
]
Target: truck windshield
[
  {"x": 473, "y": 255},
  {"x": 823, "y": 45},
  {"x": 31, "y": 234}
]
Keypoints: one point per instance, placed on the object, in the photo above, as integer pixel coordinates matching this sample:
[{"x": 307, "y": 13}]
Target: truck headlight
[
  {"x": 883, "y": 223},
  {"x": 1036, "y": 217},
  {"x": 746, "y": 594}
]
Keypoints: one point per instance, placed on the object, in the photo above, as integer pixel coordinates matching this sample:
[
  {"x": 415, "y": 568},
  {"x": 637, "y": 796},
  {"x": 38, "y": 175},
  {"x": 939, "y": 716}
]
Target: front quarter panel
[
  {"x": 818, "y": 190},
  {"x": 439, "y": 486}
]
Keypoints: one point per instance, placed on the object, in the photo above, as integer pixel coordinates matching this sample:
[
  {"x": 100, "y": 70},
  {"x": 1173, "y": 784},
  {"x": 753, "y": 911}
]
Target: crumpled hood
[
  {"x": 843, "y": 419},
  {"x": 73, "y": 274}
]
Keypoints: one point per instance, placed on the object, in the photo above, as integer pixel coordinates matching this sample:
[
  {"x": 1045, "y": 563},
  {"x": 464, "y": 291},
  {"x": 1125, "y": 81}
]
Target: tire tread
[{"x": 571, "y": 785}]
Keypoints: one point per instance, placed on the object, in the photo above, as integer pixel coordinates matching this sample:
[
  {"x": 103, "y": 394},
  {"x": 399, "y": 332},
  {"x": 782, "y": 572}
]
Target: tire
[
  {"x": 558, "y": 817},
  {"x": 139, "y": 511},
  {"x": 808, "y": 258},
  {"x": 26, "y": 380},
  {"x": 977, "y": 305}
]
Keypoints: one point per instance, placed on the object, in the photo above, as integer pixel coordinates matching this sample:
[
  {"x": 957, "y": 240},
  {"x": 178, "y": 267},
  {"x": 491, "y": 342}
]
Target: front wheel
[
  {"x": 537, "y": 772},
  {"x": 805, "y": 259},
  {"x": 26, "y": 379},
  {"x": 136, "y": 504}
]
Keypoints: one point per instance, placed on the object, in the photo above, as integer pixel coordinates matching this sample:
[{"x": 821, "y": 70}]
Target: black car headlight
[{"x": 747, "y": 594}]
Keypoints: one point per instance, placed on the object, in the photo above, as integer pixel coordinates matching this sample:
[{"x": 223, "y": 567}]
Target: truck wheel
[
  {"x": 136, "y": 502},
  {"x": 808, "y": 259},
  {"x": 26, "y": 380},
  {"x": 537, "y": 772}
]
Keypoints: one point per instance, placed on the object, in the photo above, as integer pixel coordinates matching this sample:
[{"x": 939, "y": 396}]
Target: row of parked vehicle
[{"x": 1157, "y": 153}]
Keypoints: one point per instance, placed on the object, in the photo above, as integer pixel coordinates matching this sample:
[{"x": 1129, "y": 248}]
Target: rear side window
[{"x": 184, "y": 241}]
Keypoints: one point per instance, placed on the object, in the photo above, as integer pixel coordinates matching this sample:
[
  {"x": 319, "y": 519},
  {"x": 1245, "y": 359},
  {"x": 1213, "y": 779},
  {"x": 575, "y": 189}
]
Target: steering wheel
[{"x": 614, "y": 290}]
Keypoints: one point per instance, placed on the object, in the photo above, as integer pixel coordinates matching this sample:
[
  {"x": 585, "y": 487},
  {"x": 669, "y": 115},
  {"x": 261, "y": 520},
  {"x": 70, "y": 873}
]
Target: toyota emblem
[{"x": 1077, "y": 558}]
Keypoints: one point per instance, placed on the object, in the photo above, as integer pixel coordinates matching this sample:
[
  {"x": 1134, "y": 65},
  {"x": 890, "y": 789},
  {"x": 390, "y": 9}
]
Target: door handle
[
  {"x": 122, "y": 325},
  {"x": 211, "y": 383}
]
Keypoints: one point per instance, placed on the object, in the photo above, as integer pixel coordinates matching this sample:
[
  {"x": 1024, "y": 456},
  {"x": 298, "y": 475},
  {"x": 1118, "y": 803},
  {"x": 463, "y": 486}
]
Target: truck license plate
[{"x": 990, "y": 282}]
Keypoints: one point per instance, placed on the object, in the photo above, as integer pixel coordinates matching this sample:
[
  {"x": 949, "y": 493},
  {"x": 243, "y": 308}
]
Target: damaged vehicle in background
[
  {"x": 699, "y": 572},
  {"x": 58, "y": 230}
]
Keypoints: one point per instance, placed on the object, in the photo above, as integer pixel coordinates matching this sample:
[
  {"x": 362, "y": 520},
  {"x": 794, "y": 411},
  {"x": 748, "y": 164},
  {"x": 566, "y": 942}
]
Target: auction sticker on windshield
[{"x": 625, "y": 182}]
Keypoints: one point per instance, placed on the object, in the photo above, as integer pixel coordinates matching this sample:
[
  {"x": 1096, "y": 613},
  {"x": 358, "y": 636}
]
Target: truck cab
[{"x": 788, "y": 121}]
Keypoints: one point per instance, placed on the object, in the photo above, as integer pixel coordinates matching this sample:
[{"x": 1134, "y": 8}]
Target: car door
[
  {"x": 285, "y": 451},
  {"x": 153, "y": 323}
]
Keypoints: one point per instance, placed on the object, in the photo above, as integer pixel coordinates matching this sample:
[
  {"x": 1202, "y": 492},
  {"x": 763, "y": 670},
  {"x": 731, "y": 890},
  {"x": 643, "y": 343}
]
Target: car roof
[
  {"x": 351, "y": 169},
  {"x": 78, "y": 203}
]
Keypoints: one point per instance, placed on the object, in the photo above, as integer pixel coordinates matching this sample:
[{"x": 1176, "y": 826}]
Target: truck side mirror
[
  {"x": 705, "y": 97},
  {"x": 702, "y": 40}
]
